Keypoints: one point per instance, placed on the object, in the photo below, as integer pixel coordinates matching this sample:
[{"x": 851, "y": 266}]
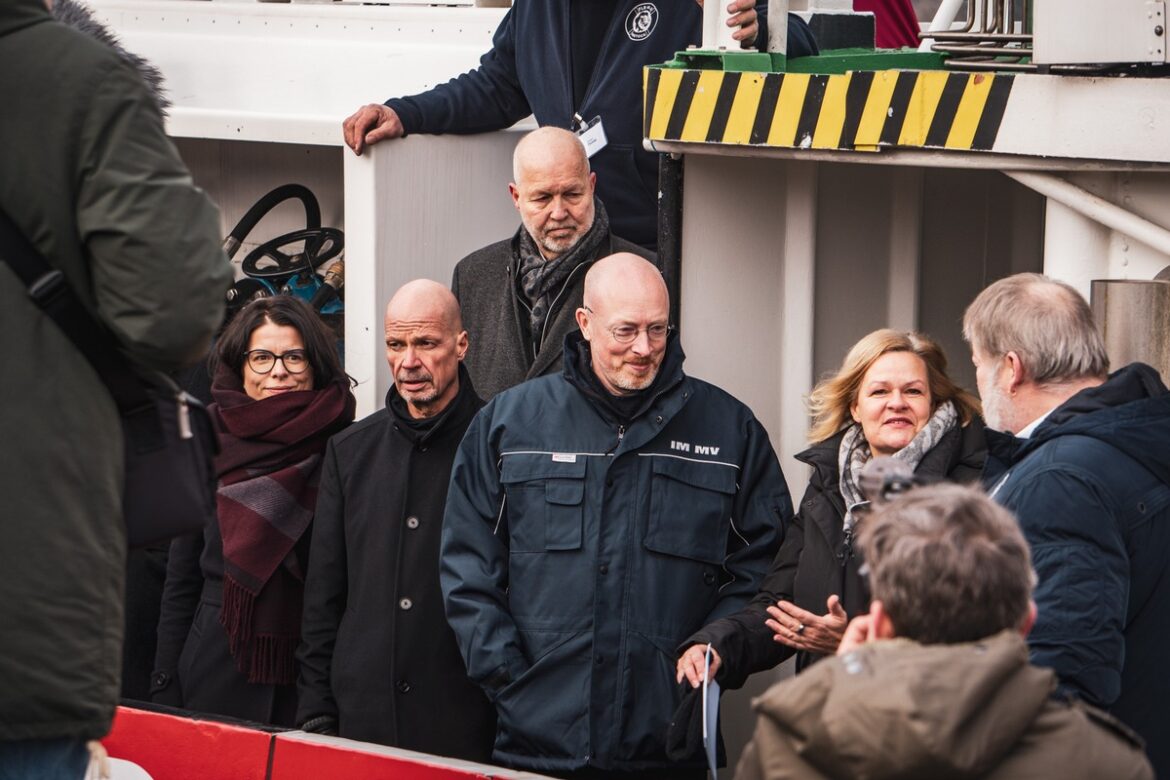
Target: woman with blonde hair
[{"x": 891, "y": 397}]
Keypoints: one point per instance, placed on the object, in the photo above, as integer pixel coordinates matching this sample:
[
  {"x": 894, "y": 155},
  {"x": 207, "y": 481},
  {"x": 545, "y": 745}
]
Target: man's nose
[
  {"x": 641, "y": 344},
  {"x": 559, "y": 211},
  {"x": 409, "y": 358}
]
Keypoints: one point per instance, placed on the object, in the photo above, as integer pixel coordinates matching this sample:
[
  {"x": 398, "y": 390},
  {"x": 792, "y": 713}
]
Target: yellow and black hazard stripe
[{"x": 857, "y": 110}]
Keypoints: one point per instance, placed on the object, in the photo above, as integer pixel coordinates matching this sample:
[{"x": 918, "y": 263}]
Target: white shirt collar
[{"x": 1027, "y": 431}]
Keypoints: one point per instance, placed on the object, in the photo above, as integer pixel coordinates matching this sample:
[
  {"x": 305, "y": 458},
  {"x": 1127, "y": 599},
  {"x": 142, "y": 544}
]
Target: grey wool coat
[
  {"x": 500, "y": 354},
  {"x": 89, "y": 176}
]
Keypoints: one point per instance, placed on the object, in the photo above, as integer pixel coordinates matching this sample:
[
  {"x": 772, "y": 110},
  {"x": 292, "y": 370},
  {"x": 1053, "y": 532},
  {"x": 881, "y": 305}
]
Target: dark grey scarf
[{"x": 541, "y": 280}]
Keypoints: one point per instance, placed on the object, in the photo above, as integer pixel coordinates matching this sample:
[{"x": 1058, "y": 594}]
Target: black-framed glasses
[
  {"x": 262, "y": 361},
  {"x": 625, "y": 334}
]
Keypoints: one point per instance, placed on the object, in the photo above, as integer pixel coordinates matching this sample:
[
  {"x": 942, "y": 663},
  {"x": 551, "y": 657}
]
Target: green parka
[{"x": 87, "y": 173}]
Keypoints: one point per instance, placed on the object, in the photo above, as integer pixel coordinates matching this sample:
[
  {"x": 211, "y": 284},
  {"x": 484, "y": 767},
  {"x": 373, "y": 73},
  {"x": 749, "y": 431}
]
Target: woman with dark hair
[
  {"x": 891, "y": 397},
  {"x": 231, "y": 610}
]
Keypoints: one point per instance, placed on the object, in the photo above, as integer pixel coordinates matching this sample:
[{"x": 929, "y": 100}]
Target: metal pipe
[
  {"x": 670, "y": 209},
  {"x": 981, "y": 65},
  {"x": 1009, "y": 37},
  {"x": 1134, "y": 318},
  {"x": 716, "y": 33},
  {"x": 1096, "y": 208},
  {"x": 980, "y": 51},
  {"x": 943, "y": 19},
  {"x": 777, "y": 42}
]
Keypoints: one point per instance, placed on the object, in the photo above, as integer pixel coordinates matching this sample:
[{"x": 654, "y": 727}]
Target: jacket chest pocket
[
  {"x": 545, "y": 502},
  {"x": 690, "y": 508}
]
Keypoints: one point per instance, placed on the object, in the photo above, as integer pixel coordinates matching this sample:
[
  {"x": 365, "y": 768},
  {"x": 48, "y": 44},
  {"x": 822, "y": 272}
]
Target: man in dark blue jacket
[
  {"x": 1084, "y": 462},
  {"x": 561, "y": 59},
  {"x": 595, "y": 519}
]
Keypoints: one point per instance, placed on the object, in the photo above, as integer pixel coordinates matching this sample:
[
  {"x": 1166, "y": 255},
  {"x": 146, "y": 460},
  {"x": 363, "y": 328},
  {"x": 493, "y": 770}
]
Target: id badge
[{"x": 592, "y": 135}]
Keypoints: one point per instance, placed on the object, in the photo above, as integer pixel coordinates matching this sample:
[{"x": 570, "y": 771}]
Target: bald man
[
  {"x": 378, "y": 661},
  {"x": 595, "y": 519},
  {"x": 519, "y": 295}
]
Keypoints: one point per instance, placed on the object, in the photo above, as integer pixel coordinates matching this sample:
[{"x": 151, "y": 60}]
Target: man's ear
[
  {"x": 592, "y": 181},
  {"x": 583, "y": 322},
  {"x": 1017, "y": 375},
  {"x": 881, "y": 627},
  {"x": 514, "y": 191},
  {"x": 461, "y": 344},
  {"x": 1029, "y": 620}
]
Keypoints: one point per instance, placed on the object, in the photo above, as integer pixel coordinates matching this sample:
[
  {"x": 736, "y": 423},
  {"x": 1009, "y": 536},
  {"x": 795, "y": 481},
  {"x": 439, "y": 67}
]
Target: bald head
[
  {"x": 425, "y": 298},
  {"x": 622, "y": 277},
  {"x": 553, "y": 190},
  {"x": 546, "y": 147},
  {"x": 624, "y": 318},
  {"x": 425, "y": 341}
]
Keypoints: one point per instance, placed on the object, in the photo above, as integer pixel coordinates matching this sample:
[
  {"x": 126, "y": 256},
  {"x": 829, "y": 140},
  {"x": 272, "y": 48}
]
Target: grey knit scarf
[
  {"x": 541, "y": 280},
  {"x": 854, "y": 454}
]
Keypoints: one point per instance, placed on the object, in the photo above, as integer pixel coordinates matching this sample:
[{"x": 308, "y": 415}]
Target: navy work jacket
[{"x": 578, "y": 553}]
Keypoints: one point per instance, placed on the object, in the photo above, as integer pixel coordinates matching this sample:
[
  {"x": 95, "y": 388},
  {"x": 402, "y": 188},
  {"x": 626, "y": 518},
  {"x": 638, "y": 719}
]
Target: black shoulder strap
[{"x": 50, "y": 290}]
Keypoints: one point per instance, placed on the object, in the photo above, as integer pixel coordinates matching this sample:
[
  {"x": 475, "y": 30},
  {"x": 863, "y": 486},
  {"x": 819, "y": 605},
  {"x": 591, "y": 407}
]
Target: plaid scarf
[
  {"x": 268, "y": 471},
  {"x": 541, "y": 280}
]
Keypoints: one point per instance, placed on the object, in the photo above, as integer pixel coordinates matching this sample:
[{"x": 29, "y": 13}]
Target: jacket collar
[
  {"x": 578, "y": 372},
  {"x": 1091, "y": 409},
  {"x": 419, "y": 432}
]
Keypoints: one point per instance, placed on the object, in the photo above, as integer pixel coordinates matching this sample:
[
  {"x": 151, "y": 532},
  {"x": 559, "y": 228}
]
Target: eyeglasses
[
  {"x": 262, "y": 361},
  {"x": 625, "y": 334}
]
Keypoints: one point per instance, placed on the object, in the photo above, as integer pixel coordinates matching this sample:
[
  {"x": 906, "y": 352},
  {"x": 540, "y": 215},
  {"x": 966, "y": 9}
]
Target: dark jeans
[{"x": 43, "y": 759}]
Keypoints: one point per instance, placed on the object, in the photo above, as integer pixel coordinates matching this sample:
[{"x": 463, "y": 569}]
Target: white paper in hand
[{"x": 710, "y": 714}]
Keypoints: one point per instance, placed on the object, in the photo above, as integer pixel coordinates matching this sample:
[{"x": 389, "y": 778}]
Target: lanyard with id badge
[{"x": 591, "y": 133}]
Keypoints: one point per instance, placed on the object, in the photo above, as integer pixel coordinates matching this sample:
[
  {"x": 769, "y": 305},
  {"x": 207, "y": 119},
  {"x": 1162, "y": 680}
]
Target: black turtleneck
[
  {"x": 418, "y": 428},
  {"x": 620, "y": 409}
]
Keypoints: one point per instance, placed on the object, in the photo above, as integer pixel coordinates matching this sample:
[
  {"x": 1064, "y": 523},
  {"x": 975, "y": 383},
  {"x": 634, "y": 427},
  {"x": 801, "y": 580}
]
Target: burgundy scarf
[{"x": 268, "y": 471}]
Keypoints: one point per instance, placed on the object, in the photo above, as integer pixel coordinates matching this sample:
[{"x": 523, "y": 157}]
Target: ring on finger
[{"x": 800, "y": 628}]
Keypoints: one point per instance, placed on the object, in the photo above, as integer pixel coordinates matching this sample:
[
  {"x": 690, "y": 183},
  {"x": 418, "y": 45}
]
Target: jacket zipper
[
  {"x": 607, "y": 43},
  {"x": 552, "y": 306},
  {"x": 184, "y": 418},
  {"x": 621, "y": 435},
  {"x": 846, "y": 548}
]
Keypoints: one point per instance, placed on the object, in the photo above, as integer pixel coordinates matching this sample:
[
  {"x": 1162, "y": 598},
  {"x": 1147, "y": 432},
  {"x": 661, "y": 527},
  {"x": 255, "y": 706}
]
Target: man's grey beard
[
  {"x": 633, "y": 385},
  {"x": 995, "y": 407}
]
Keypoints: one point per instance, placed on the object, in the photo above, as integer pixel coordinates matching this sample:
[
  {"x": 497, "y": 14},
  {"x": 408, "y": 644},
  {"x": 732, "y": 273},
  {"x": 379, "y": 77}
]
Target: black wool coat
[
  {"x": 194, "y": 667},
  {"x": 815, "y": 561},
  {"x": 500, "y": 351},
  {"x": 376, "y": 650}
]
